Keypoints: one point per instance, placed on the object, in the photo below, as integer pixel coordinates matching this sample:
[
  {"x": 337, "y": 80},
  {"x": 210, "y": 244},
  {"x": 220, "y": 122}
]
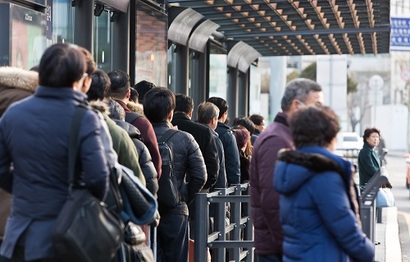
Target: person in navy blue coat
[
  {"x": 318, "y": 212},
  {"x": 34, "y": 139},
  {"x": 232, "y": 161}
]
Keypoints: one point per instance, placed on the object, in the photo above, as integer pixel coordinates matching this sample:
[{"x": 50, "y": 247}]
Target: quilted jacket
[{"x": 316, "y": 211}]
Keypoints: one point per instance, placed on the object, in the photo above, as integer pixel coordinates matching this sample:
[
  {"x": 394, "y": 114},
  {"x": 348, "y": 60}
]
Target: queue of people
[{"x": 302, "y": 200}]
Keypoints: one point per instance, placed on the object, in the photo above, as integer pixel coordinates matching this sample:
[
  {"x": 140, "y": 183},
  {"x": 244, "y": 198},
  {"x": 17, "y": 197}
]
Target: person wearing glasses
[{"x": 34, "y": 142}]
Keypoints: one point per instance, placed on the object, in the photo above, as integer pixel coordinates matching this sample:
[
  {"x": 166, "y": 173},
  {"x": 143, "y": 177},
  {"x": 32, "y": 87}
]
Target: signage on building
[
  {"x": 400, "y": 34},
  {"x": 405, "y": 74}
]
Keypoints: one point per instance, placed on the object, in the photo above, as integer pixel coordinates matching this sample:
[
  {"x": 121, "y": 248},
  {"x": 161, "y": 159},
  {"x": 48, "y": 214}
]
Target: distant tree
[
  {"x": 309, "y": 72},
  {"x": 351, "y": 85},
  {"x": 357, "y": 103},
  {"x": 292, "y": 75}
]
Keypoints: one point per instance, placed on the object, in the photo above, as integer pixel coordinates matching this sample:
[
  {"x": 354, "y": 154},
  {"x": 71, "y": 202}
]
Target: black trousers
[{"x": 173, "y": 238}]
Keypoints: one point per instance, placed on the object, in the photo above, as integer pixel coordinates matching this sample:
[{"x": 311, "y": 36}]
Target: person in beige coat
[{"x": 15, "y": 84}]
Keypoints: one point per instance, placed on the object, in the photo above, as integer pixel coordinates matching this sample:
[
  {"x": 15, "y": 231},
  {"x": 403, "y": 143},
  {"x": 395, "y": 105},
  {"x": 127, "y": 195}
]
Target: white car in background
[{"x": 348, "y": 144}]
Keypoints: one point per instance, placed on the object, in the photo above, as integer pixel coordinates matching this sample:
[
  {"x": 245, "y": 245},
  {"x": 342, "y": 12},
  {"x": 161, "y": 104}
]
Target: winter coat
[
  {"x": 206, "y": 142},
  {"x": 121, "y": 142},
  {"x": 232, "y": 162},
  {"x": 316, "y": 211},
  {"x": 145, "y": 160},
  {"x": 38, "y": 150},
  {"x": 135, "y": 107},
  {"x": 264, "y": 200},
  {"x": 189, "y": 166},
  {"x": 368, "y": 162},
  {"x": 148, "y": 137},
  {"x": 245, "y": 163},
  {"x": 15, "y": 84},
  {"x": 221, "y": 182}
]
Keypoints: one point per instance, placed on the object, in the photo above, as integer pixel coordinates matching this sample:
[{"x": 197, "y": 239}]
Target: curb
[{"x": 387, "y": 233}]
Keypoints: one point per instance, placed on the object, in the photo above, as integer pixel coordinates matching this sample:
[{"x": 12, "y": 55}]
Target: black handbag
[
  {"x": 84, "y": 230},
  {"x": 134, "y": 248}
]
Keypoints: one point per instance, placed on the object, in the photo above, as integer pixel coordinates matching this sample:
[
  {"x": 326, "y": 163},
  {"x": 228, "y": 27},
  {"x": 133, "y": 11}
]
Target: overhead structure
[
  {"x": 201, "y": 34},
  {"x": 241, "y": 56},
  {"x": 305, "y": 27}
]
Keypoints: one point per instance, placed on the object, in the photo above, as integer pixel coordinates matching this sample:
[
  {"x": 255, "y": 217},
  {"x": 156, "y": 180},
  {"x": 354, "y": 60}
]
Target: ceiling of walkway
[{"x": 306, "y": 27}]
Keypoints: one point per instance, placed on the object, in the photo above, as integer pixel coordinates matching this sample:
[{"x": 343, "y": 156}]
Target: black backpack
[{"x": 168, "y": 192}]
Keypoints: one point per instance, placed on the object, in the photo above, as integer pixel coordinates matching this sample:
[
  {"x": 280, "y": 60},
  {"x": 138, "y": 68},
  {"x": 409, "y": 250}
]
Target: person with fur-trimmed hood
[
  {"x": 96, "y": 89},
  {"x": 15, "y": 85},
  {"x": 318, "y": 199},
  {"x": 117, "y": 113}
]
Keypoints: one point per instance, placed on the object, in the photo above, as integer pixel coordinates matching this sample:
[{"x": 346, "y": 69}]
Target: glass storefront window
[
  {"x": 62, "y": 29},
  {"x": 256, "y": 104},
  {"x": 25, "y": 31},
  {"x": 217, "y": 75},
  {"x": 171, "y": 67},
  {"x": 102, "y": 41},
  {"x": 151, "y": 45}
]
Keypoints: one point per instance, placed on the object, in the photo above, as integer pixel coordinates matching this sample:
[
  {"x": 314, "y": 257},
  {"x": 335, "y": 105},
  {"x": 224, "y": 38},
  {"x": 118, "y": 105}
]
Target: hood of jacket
[
  {"x": 13, "y": 77},
  {"x": 100, "y": 106},
  {"x": 295, "y": 168},
  {"x": 135, "y": 107}
]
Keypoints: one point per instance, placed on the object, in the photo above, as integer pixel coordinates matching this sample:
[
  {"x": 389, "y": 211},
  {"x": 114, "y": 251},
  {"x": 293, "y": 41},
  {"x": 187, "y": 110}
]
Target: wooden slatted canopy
[{"x": 305, "y": 27}]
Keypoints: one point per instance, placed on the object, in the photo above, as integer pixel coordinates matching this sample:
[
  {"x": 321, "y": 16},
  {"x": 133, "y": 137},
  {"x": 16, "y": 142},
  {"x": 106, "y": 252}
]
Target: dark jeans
[
  {"x": 173, "y": 237},
  {"x": 268, "y": 258}
]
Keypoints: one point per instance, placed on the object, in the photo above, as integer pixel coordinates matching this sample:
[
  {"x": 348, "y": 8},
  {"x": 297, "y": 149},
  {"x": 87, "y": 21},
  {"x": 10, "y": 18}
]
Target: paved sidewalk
[{"x": 387, "y": 233}]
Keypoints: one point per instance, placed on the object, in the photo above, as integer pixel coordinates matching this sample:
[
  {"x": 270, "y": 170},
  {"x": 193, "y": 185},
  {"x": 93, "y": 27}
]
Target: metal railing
[
  {"x": 368, "y": 203},
  {"x": 228, "y": 231}
]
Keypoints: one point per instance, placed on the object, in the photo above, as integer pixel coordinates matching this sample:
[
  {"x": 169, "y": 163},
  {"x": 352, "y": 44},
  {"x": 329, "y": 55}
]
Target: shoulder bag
[{"x": 84, "y": 230}]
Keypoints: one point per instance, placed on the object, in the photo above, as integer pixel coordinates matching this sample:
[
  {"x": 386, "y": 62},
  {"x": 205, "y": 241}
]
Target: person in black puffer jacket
[{"x": 117, "y": 114}]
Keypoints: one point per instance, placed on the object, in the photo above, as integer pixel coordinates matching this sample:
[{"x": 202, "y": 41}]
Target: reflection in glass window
[
  {"x": 258, "y": 103},
  {"x": 102, "y": 41},
  {"x": 172, "y": 72},
  {"x": 63, "y": 22},
  {"x": 217, "y": 75},
  {"x": 151, "y": 45}
]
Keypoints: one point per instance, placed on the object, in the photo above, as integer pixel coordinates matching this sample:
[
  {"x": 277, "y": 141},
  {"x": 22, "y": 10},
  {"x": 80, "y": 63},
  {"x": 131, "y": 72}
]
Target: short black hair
[
  {"x": 61, "y": 65},
  {"x": 142, "y": 88},
  {"x": 220, "y": 103},
  {"x": 246, "y": 123},
  {"x": 158, "y": 103},
  {"x": 134, "y": 95},
  {"x": 120, "y": 84},
  {"x": 369, "y": 131},
  {"x": 99, "y": 86},
  {"x": 183, "y": 103},
  {"x": 314, "y": 126},
  {"x": 257, "y": 119}
]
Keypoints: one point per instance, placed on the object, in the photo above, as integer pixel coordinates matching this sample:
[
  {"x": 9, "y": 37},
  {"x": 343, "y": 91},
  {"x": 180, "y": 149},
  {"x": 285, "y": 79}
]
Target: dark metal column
[
  {"x": 198, "y": 76},
  {"x": 120, "y": 39},
  {"x": 181, "y": 66},
  {"x": 232, "y": 94},
  {"x": 84, "y": 24},
  {"x": 243, "y": 94}
]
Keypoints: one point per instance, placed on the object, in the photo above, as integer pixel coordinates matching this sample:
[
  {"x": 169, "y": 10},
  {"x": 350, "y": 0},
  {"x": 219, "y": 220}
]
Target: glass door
[{"x": 102, "y": 41}]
